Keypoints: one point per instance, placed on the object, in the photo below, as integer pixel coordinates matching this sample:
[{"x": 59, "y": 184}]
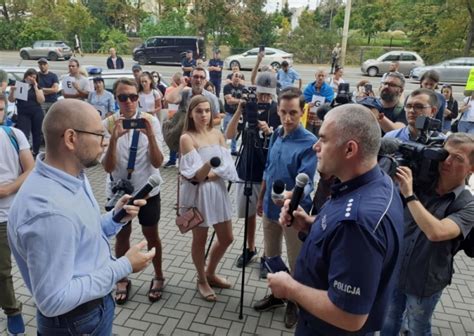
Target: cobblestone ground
[{"x": 181, "y": 311}]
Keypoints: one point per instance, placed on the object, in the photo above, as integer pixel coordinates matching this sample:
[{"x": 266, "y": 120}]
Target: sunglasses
[{"x": 124, "y": 97}]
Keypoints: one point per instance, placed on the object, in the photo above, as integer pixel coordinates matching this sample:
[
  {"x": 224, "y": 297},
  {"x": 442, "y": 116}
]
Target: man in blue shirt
[
  {"x": 49, "y": 83},
  {"x": 188, "y": 63},
  {"x": 215, "y": 67},
  {"x": 57, "y": 235},
  {"x": 288, "y": 76},
  {"x": 290, "y": 153},
  {"x": 318, "y": 88},
  {"x": 347, "y": 267}
]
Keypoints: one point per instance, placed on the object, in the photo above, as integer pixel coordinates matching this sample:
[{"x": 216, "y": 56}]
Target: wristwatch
[{"x": 410, "y": 198}]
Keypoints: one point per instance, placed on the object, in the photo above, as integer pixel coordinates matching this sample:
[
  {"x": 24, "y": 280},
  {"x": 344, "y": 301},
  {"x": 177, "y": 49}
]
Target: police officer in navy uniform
[{"x": 347, "y": 266}]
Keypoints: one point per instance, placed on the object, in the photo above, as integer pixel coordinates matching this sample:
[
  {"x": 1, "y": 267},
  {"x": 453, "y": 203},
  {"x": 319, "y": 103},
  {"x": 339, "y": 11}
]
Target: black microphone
[
  {"x": 153, "y": 181},
  {"x": 278, "y": 191},
  {"x": 215, "y": 162},
  {"x": 389, "y": 146},
  {"x": 301, "y": 181}
]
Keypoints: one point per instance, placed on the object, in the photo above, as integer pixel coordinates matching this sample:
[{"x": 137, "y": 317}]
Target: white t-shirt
[
  {"x": 143, "y": 167},
  {"x": 83, "y": 82},
  {"x": 146, "y": 102},
  {"x": 10, "y": 167},
  {"x": 469, "y": 114}
]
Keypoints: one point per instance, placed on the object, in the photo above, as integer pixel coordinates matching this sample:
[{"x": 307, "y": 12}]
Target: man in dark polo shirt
[
  {"x": 433, "y": 229},
  {"x": 215, "y": 67},
  {"x": 347, "y": 267},
  {"x": 49, "y": 82},
  {"x": 188, "y": 63},
  {"x": 392, "y": 115}
]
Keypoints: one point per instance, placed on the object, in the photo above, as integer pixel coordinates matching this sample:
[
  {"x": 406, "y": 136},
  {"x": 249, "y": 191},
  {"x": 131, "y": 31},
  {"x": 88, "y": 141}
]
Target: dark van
[{"x": 168, "y": 49}]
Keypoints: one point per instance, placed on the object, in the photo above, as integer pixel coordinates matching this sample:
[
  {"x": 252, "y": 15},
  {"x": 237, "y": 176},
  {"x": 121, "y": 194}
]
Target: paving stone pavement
[{"x": 181, "y": 311}]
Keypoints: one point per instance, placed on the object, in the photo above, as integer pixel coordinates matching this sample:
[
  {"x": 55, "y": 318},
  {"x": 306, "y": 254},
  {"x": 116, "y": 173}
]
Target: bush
[{"x": 113, "y": 38}]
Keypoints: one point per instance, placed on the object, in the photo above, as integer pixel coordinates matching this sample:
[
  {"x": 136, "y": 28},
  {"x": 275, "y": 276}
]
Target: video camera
[
  {"x": 251, "y": 107},
  {"x": 120, "y": 188},
  {"x": 343, "y": 95},
  {"x": 422, "y": 156}
]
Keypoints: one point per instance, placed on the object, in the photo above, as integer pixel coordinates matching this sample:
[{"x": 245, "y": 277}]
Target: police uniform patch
[{"x": 349, "y": 209}]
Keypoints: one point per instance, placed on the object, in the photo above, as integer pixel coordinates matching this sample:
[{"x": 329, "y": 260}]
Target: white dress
[{"x": 210, "y": 197}]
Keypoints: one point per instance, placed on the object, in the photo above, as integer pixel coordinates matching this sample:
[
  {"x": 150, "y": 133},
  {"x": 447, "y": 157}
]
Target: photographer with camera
[
  {"x": 289, "y": 154},
  {"x": 436, "y": 220},
  {"x": 346, "y": 268},
  {"x": 421, "y": 102},
  {"x": 133, "y": 154},
  {"x": 267, "y": 121},
  {"x": 232, "y": 95}
]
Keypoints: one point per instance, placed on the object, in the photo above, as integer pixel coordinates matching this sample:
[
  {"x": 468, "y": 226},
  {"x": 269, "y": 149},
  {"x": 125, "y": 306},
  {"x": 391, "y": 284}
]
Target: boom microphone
[
  {"x": 278, "y": 191},
  {"x": 301, "y": 181},
  {"x": 153, "y": 181},
  {"x": 389, "y": 146}
]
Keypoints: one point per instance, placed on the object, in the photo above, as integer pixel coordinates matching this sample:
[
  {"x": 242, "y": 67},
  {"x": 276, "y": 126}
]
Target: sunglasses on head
[{"x": 124, "y": 97}]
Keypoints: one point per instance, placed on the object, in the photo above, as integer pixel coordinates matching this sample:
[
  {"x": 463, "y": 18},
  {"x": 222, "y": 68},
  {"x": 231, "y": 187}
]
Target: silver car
[
  {"x": 52, "y": 50},
  {"x": 455, "y": 70},
  {"x": 407, "y": 59},
  {"x": 247, "y": 60}
]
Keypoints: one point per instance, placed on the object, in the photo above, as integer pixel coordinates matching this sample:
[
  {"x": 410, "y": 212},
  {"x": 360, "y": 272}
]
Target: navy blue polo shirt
[
  {"x": 352, "y": 252},
  {"x": 47, "y": 81},
  {"x": 216, "y": 75},
  {"x": 188, "y": 63}
]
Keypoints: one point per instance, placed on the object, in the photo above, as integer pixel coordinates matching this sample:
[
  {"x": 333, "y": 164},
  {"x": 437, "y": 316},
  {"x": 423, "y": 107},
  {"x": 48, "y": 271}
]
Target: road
[{"x": 351, "y": 74}]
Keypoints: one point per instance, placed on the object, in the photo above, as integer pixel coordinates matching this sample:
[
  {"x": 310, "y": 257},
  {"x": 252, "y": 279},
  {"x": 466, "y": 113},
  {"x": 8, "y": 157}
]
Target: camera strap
[{"x": 133, "y": 153}]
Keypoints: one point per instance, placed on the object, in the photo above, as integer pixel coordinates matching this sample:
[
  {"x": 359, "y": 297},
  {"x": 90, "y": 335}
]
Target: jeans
[
  {"x": 412, "y": 311},
  {"x": 30, "y": 121},
  {"x": 233, "y": 144},
  {"x": 466, "y": 126},
  {"x": 173, "y": 156},
  {"x": 11, "y": 306},
  {"x": 97, "y": 322},
  {"x": 446, "y": 125},
  {"x": 217, "y": 85}
]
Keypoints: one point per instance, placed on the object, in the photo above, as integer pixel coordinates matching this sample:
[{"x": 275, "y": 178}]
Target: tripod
[{"x": 248, "y": 140}]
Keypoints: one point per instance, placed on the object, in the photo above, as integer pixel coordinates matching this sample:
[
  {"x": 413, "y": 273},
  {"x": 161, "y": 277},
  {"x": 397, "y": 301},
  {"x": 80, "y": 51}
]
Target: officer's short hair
[
  {"x": 356, "y": 122},
  {"x": 433, "y": 99},
  {"x": 461, "y": 138}
]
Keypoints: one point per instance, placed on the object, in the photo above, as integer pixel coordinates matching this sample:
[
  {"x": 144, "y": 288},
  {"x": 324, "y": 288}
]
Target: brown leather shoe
[{"x": 291, "y": 314}]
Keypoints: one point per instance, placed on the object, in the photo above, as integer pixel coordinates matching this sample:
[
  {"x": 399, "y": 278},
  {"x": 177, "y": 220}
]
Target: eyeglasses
[
  {"x": 392, "y": 85},
  {"x": 101, "y": 135},
  {"x": 124, "y": 97},
  {"x": 416, "y": 107},
  {"x": 199, "y": 77}
]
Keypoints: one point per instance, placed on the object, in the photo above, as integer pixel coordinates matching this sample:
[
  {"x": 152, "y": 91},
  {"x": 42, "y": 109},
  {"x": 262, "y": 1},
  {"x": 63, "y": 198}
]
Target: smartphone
[
  {"x": 368, "y": 88},
  {"x": 133, "y": 123},
  {"x": 261, "y": 48},
  {"x": 275, "y": 264}
]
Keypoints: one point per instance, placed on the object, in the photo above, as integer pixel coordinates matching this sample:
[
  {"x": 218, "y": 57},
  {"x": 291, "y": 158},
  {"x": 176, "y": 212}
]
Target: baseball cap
[
  {"x": 136, "y": 67},
  {"x": 266, "y": 83},
  {"x": 43, "y": 60},
  {"x": 371, "y": 102}
]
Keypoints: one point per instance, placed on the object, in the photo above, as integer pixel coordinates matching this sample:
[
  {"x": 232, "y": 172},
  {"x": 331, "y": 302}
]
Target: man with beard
[
  {"x": 390, "y": 115},
  {"x": 60, "y": 242}
]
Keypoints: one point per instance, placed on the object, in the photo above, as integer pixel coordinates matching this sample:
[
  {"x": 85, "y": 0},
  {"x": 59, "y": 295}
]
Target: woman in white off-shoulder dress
[{"x": 204, "y": 187}]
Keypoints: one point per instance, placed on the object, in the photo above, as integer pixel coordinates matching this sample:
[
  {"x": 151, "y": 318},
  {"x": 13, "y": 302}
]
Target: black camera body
[
  {"x": 120, "y": 188},
  {"x": 251, "y": 107},
  {"x": 343, "y": 95}
]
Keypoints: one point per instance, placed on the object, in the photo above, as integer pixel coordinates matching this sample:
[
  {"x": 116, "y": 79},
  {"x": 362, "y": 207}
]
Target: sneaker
[
  {"x": 15, "y": 324},
  {"x": 169, "y": 164},
  {"x": 249, "y": 257},
  {"x": 263, "y": 269},
  {"x": 291, "y": 314},
  {"x": 267, "y": 303}
]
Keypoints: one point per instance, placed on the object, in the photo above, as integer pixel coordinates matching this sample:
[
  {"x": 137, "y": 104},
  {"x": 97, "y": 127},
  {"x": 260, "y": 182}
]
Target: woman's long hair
[{"x": 189, "y": 122}]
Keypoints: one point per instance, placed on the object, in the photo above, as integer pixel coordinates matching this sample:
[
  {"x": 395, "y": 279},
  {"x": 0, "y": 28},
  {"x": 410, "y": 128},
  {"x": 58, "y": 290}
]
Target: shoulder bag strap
[{"x": 133, "y": 153}]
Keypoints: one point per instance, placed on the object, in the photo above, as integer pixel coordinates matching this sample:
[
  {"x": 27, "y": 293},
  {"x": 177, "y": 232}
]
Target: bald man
[{"x": 60, "y": 242}]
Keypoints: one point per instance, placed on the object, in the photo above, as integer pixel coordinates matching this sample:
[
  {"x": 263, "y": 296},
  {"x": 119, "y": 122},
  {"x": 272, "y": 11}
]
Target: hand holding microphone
[{"x": 301, "y": 181}]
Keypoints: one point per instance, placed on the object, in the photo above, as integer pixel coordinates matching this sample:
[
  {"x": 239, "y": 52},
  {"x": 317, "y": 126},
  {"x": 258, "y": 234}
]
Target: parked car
[
  {"x": 247, "y": 60},
  {"x": 455, "y": 70},
  {"x": 52, "y": 50},
  {"x": 377, "y": 67},
  {"x": 169, "y": 49}
]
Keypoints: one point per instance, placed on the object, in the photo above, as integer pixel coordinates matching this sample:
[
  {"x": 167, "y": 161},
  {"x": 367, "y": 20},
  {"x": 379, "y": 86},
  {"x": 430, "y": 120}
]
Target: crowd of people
[{"x": 366, "y": 251}]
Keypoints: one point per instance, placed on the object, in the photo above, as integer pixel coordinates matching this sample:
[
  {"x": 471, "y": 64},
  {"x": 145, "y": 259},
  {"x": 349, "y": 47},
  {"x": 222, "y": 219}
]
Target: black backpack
[{"x": 467, "y": 244}]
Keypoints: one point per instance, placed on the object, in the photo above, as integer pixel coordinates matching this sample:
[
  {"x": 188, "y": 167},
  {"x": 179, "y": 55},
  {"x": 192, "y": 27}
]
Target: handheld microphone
[
  {"x": 215, "y": 162},
  {"x": 301, "y": 181},
  {"x": 278, "y": 191},
  {"x": 153, "y": 181}
]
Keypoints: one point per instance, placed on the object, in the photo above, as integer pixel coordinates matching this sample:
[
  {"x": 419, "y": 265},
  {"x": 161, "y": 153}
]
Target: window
[
  {"x": 163, "y": 42},
  {"x": 408, "y": 57},
  {"x": 150, "y": 42},
  {"x": 391, "y": 58}
]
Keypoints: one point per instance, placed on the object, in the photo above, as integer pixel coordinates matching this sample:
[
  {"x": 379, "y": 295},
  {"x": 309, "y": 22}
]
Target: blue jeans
[
  {"x": 446, "y": 125},
  {"x": 412, "y": 311},
  {"x": 466, "y": 126},
  {"x": 173, "y": 156},
  {"x": 98, "y": 322},
  {"x": 233, "y": 144}
]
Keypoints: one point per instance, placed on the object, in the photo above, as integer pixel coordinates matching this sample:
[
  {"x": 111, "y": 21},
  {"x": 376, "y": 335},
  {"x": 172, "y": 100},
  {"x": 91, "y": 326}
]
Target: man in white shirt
[{"x": 75, "y": 85}]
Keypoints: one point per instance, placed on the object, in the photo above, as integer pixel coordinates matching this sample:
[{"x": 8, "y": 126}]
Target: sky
[{"x": 272, "y": 4}]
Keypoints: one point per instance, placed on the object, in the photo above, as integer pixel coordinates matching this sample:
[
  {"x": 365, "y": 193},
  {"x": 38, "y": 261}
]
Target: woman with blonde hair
[{"x": 203, "y": 186}]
